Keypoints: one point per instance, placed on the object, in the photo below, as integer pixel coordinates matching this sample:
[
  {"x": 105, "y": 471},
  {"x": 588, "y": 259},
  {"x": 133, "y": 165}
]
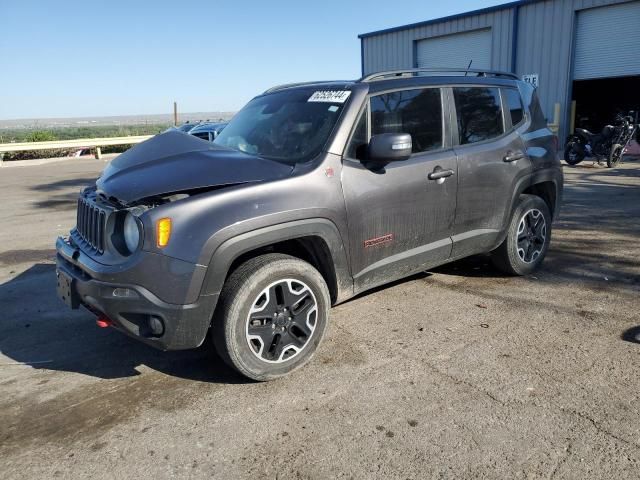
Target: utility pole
[{"x": 175, "y": 114}]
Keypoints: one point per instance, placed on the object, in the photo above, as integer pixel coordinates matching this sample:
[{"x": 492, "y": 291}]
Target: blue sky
[{"x": 83, "y": 58}]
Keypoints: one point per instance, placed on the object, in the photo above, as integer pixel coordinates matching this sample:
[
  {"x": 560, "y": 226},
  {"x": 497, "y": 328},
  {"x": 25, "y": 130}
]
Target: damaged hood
[{"x": 178, "y": 162}]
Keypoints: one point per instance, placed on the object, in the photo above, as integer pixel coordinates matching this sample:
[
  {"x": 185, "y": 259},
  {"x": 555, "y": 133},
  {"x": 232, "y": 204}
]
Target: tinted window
[
  {"x": 417, "y": 112},
  {"x": 479, "y": 114},
  {"x": 358, "y": 141},
  {"x": 289, "y": 126},
  {"x": 532, "y": 105},
  {"x": 537, "y": 115},
  {"x": 514, "y": 104},
  {"x": 203, "y": 135}
]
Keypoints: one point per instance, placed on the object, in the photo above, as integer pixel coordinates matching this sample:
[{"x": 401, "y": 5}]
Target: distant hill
[{"x": 122, "y": 120}]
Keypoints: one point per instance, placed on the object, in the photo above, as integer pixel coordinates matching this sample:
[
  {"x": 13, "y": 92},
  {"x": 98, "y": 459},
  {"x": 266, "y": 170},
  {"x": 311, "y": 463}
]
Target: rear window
[
  {"x": 479, "y": 113},
  {"x": 514, "y": 104}
]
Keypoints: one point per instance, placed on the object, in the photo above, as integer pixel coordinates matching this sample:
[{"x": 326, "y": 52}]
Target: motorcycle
[{"x": 609, "y": 144}]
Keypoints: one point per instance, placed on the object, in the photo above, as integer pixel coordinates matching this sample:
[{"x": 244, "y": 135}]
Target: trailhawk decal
[
  {"x": 374, "y": 242},
  {"x": 330, "y": 96}
]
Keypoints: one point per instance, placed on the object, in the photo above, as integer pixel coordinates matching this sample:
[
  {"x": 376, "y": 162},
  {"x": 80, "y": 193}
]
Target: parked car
[
  {"x": 187, "y": 127},
  {"x": 79, "y": 152},
  {"x": 207, "y": 131},
  {"x": 312, "y": 194}
]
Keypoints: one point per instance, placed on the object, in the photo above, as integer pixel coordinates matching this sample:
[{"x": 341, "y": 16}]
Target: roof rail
[
  {"x": 301, "y": 84},
  {"x": 412, "y": 71}
]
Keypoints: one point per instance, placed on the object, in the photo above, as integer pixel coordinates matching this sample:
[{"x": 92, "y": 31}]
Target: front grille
[{"x": 91, "y": 224}]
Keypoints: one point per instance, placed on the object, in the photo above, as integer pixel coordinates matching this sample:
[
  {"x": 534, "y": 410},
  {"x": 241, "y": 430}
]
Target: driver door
[{"x": 400, "y": 221}]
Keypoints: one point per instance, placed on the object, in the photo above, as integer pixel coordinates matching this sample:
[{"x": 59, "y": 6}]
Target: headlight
[{"x": 131, "y": 232}]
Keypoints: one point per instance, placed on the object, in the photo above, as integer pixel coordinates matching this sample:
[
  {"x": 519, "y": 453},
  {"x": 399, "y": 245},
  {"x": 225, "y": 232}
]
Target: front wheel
[
  {"x": 272, "y": 315},
  {"x": 528, "y": 236},
  {"x": 572, "y": 156},
  {"x": 615, "y": 155}
]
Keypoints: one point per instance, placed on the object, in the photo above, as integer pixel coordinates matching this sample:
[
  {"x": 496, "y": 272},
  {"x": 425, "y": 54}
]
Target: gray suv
[{"x": 312, "y": 194}]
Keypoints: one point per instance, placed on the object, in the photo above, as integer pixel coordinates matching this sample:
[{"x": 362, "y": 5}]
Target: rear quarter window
[
  {"x": 532, "y": 104},
  {"x": 537, "y": 115},
  {"x": 514, "y": 105}
]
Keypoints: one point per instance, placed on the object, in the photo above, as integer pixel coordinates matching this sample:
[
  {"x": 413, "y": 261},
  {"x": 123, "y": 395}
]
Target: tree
[{"x": 40, "y": 136}]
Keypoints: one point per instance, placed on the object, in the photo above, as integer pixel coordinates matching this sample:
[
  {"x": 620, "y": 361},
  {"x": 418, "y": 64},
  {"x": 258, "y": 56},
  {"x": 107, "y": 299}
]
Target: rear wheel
[
  {"x": 615, "y": 155},
  {"x": 528, "y": 236},
  {"x": 272, "y": 316}
]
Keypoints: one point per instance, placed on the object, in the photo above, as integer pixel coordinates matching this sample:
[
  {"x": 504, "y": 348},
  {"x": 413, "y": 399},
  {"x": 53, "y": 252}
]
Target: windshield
[{"x": 290, "y": 126}]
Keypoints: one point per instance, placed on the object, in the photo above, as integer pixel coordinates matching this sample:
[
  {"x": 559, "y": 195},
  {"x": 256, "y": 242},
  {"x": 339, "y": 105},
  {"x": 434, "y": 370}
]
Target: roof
[
  {"x": 383, "y": 81},
  {"x": 437, "y": 72},
  {"x": 481, "y": 11},
  {"x": 435, "y": 81},
  {"x": 315, "y": 83}
]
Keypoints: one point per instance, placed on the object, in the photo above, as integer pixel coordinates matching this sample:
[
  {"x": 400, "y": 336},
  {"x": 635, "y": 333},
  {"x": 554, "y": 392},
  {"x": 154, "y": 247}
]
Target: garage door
[
  {"x": 456, "y": 51},
  {"x": 608, "y": 42}
]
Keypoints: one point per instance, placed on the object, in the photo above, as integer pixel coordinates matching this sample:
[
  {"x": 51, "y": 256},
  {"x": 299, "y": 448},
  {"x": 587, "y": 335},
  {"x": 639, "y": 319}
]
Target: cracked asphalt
[{"x": 455, "y": 373}]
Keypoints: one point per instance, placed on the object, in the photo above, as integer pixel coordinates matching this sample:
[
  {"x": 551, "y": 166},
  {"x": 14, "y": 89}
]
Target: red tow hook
[{"x": 103, "y": 322}]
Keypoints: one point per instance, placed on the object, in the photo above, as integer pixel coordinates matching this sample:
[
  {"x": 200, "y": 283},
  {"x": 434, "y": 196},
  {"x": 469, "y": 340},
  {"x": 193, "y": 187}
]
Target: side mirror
[{"x": 389, "y": 147}]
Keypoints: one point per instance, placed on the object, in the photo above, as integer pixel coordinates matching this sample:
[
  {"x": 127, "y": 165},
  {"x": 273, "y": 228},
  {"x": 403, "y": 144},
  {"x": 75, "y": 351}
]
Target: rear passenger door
[
  {"x": 491, "y": 162},
  {"x": 400, "y": 219}
]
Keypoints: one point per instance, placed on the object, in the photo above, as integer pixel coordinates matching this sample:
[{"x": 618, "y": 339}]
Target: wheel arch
[
  {"x": 546, "y": 184},
  {"x": 545, "y": 190},
  {"x": 316, "y": 241}
]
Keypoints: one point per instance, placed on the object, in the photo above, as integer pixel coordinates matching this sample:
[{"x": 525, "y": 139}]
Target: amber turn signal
[{"x": 163, "y": 232}]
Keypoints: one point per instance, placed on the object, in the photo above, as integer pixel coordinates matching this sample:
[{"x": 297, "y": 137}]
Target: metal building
[{"x": 582, "y": 54}]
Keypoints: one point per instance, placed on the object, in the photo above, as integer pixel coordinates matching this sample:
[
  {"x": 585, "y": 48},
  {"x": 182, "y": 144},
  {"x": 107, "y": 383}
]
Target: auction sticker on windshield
[{"x": 330, "y": 96}]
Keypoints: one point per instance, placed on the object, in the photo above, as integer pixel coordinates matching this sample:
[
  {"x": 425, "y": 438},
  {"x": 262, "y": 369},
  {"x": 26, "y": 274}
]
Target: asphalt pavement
[{"x": 455, "y": 373}]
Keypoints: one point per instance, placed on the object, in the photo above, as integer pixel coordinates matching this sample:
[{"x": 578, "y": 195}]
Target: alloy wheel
[
  {"x": 281, "y": 321},
  {"x": 532, "y": 235}
]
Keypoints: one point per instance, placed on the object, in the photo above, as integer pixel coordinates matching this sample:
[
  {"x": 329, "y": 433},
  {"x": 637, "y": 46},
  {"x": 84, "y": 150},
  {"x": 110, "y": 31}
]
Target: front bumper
[{"x": 184, "y": 326}]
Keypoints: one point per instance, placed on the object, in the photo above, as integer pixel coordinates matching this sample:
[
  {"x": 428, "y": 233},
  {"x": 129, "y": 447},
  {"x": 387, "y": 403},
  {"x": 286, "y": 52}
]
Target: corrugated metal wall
[
  {"x": 544, "y": 45},
  {"x": 396, "y": 49},
  {"x": 545, "y": 38}
]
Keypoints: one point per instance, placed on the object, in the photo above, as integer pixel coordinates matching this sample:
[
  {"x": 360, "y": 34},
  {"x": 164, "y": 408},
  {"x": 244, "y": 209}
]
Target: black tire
[
  {"x": 571, "y": 156},
  {"x": 615, "y": 155},
  {"x": 510, "y": 257},
  {"x": 270, "y": 347}
]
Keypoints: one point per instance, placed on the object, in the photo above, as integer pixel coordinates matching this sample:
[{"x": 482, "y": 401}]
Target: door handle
[
  {"x": 513, "y": 156},
  {"x": 440, "y": 174}
]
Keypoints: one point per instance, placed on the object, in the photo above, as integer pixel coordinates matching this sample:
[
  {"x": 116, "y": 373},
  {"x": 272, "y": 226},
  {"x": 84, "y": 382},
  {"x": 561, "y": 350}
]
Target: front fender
[{"x": 226, "y": 252}]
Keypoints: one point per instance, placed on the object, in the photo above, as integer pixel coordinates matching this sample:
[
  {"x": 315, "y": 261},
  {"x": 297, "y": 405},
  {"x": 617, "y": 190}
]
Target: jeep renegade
[{"x": 313, "y": 193}]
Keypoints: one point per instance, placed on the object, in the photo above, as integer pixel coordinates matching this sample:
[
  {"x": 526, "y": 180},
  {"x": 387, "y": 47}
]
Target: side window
[
  {"x": 202, "y": 135},
  {"x": 358, "y": 142},
  {"x": 417, "y": 112},
  {"x": 479, "y": 113},
  {"x": 514, "y": 104}
]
